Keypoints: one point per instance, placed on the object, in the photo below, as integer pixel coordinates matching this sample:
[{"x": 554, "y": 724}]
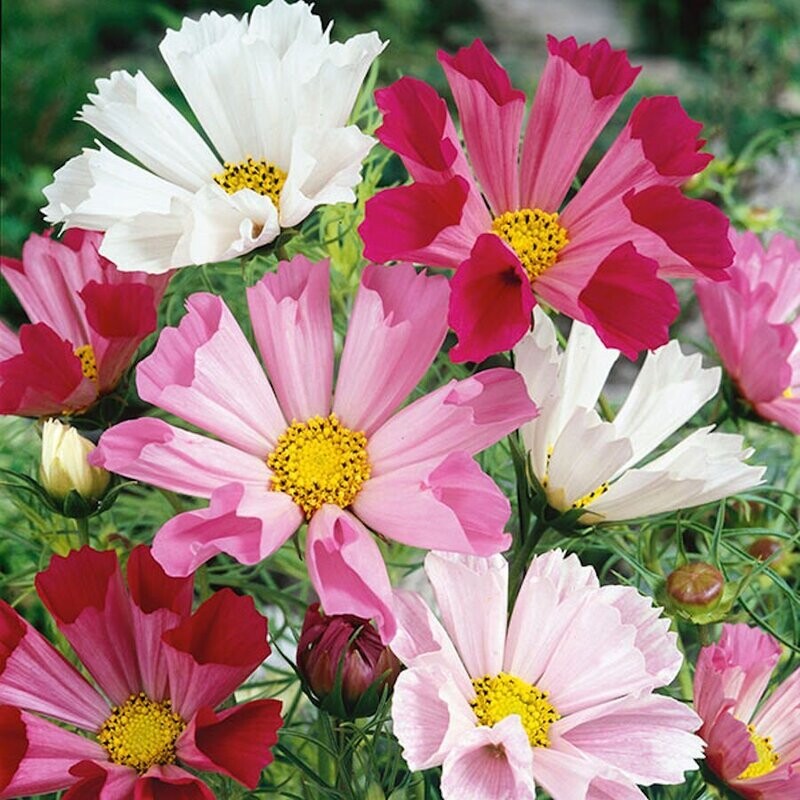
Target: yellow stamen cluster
[
  {"x": 141, "y": 733},
  {"x": 88, "y": 362},
  {"x": 263, "y": 177},
  {"x": 534, "y": 235},
  {"x": 787, "y": 393},
  {"x": 320, "y": 461},
  {"x": 767, "y": 759},
  {"x": 499, "y": 696},
  {"x": 591, "y": 497}
]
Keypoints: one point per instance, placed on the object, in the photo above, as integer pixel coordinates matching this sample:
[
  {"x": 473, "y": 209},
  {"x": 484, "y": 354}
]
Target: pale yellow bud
[{"x": 64, "y": 466}]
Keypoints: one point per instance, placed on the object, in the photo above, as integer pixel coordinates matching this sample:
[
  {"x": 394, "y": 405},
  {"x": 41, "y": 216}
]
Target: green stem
[
  {"x": 83, "y": 531},
  {"x": 173, "y": 500},
  {"x": 203, "y": 586}
]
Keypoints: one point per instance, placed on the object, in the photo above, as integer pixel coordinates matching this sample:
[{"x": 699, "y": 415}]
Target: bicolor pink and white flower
[
  {"x": 273, "y": 95},
  {"x": 754, "y": 322},
  {"x": 583, "y": 462},
  {"x": 87, "y": 320},
  {"x": 603, "y": 256},
  {"x": 160, "y": 673},
  {"x": 752, "y": 742},
  {"x": 560, "y": 696},
  {"x": 290, "y": 453}
]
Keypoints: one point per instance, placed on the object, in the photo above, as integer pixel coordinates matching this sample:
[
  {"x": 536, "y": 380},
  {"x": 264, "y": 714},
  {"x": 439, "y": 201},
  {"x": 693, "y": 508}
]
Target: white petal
[
  {"x": 135, "y": 115},
  {"x": 283, "y": 26}
]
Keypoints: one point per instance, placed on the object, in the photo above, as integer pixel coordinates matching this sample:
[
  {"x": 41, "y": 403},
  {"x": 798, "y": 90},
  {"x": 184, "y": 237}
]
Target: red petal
[
  {"x": 151, "y": 588},
  {"x": 123, "y": 310},
  {"x": 490, "y": 301},
  {"x": 163, "y": 787},
  {"x": 13, "y": 743},
  {"x": 477, "y": 63},
  {"x": 627, "y": 304},
  {"x": 11, "y": 631}
]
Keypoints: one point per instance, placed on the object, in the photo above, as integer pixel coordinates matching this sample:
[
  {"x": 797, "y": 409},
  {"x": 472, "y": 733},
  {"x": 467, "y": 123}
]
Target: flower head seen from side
[
  {"x": 273, "y": 95},
  {"x": 560, "y": 697},
  {"x": 752, "y": 742},
  {"x": 754, "y": 322},
  {"x": 291, "y": 449},
  {"x": 87, "y": 319},
  {"x": 161, "y": 671},
  {"x": 584, "y": 462},
  {"x": 601, "y": 258}
]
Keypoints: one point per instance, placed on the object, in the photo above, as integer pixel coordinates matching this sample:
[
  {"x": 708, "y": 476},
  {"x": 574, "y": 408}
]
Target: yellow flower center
[
  {"x": 263, "y": 177},
  {"x": 499, "y": 696},
  {"x": 141, "y": 733},
  {"x": 88, "y": 362},
  {"x": 767, "y": 758},
  {"x": 584, "y": 501},
  {"x": 320, "y": 461},
  {"x": 534, "y": 235},
  {"x": 787, "y": 393}
]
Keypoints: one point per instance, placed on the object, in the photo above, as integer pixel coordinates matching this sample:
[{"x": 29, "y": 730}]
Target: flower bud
[
  {"x": 344, "y": 664},
  {"x": 764, "y": 548},
  {"x": 64, "y": 468},
  {"x": 695, "y": 587}
]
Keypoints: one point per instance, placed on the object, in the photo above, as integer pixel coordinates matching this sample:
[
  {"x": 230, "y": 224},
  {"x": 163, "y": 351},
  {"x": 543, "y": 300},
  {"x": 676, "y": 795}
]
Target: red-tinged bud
[
  {"x": 697, "y": 586},
  {"x": 764, "y": 548},
  {"x": 344, "y": 664}
]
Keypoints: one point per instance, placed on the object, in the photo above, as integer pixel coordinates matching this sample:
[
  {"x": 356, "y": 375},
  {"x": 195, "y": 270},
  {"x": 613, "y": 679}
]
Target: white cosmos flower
[
  {"x": 585, "y": 462},
  {"x": 273, "y": 95}
]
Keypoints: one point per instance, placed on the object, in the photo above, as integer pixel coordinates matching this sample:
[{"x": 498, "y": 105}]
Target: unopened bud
[
  {"x": 64, "y": 467},
  {"x": 696, "y": 586},
  {"x": 764, "y": 548}
]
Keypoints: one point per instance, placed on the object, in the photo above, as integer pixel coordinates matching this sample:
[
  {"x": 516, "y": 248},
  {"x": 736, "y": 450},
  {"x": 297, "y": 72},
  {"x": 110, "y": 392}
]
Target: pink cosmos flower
[
  {"x": 560, "y": 697},
  {"x": 87, "y": 321},
  {"x": 161, "y": 672},
  {"x": 754, "y": 322},
  {"x": 602, "y": 257},
  {"x": 756, "y": 752},
  {"x": 290, "y": 453}
]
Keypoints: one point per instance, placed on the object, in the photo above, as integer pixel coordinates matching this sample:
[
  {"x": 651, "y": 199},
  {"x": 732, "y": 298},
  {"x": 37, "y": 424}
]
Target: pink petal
[
  {"x": 578, "y": 92},
  {"x": 564, "y": 571},
  {"x": 291, "y": 315},
  {"x": 205, "y": 372},
  {"x": 174, "y": 783},
  {"x": 564, "y": 772},
  {"x": 212, "y": 652},
  {"x": 491, "y": 120},
  {"x": 468, "y": 415},
  {"x": 36, "y": 677},
  {"x": 9, "y": 342},
  {"x": 347, "y": 569},
  {"x": 36, "y": 755},
  {"x": 248, "y": 523},
  {"x": 396, "y": 327},
  {"x": 153, "y": 451},
  {"x": 425, "y": 223},
  {"x": 448, "y": 504},
  {"x": 86, "y": 596},
  {"x": 158, "y": 603},
  {"x": 101, "y": 781},
  {"x": 729, "y": 748},
  {"x": 779, "y": 717},
  {"x": 491, "y": 301},
  {"x": 490, "y": 762},
  {"x": 472, "y": 595},
  {"x": 603, "y": 789},
  {"x": 627, "y": 304},
  {"x": 234, "y": 742},
  {"x": 784, "y": 411}
]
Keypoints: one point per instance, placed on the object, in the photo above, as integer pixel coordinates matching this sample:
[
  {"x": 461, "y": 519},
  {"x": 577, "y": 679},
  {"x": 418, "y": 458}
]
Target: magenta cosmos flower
[
  {"x": 753, "y": 746},
  {"x": 602, "y": 257},
  {"x": 293, "y": 454},
  {"x": 560, "y": 697},
  {"x": 87, "y": 321},
  {"x": 161, "y": 672},
  {"x": 754, "y": 322}
]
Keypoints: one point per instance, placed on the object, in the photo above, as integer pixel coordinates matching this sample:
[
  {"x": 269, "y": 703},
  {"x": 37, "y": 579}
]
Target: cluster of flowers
[{"x": 563, "y": 696}]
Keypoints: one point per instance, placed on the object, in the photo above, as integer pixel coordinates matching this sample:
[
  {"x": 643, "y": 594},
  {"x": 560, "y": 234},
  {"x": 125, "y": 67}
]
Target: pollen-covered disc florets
[
  {"x": 141, "y": 733},
  {"x": 320, "y": 461},
  {"x": 534, "y": 235},
  {"x": 766, "y": 757},
  {"x": 263, "y": 177},
  {"x": 499, "y": 696},
  {"x": 88, "y": 362}
]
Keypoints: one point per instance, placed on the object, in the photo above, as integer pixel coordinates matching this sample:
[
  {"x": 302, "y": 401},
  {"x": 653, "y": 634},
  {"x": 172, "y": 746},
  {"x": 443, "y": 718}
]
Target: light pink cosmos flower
[
  {"x": 161, "y": 672},
  {"x": 754, "y": 322},
  {"x": 87, "y": 321},
  {"x": 295, "y": 454},
  {"x": 752, "y": 744},
  {"x": 602, "y": 257},
  {"x": 560, "y": 697}
]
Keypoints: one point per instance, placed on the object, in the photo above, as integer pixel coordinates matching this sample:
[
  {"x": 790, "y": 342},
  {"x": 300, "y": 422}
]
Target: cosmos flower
[
  {"x": 560, "y": 696},
  {"x": 161, "y": 672},
  {"x": 583, "y": 462},
  {"x": 290, "y": 452},
  {"x": 754, "y": 322},
  {"x": 753, "y": 743},
  {"x": 87, "y": 320},
  {"x": 273, "y": 95},
  {"x": 503, "y": 224}
]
